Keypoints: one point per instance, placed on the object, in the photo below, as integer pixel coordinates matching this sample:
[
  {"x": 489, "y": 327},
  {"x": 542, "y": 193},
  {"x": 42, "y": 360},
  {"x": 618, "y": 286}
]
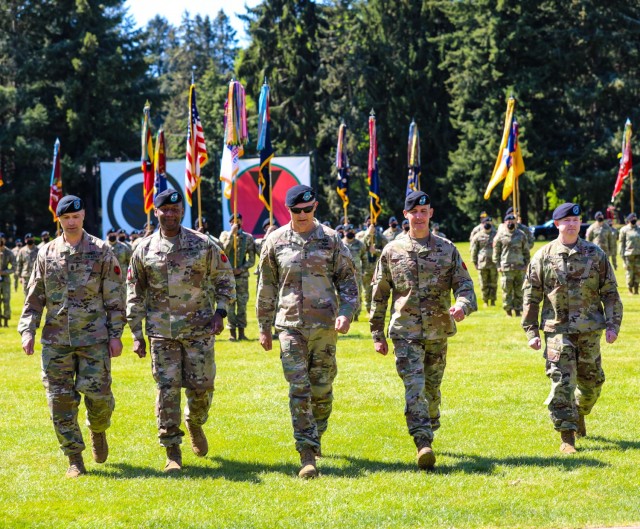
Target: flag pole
[
  {"x": 631, "y": 187},
  {"x": 193, "y": 145},
  {"x": 270, "y": 196}
]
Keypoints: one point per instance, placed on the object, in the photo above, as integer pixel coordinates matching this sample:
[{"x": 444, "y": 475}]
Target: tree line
[{"x": 80, "y": 70}]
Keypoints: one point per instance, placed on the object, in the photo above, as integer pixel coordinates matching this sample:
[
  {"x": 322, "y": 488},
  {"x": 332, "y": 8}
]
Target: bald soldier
[
  {"x": 419, "y": 271},
  {"x": 181, "y": 283},
  {"x": 575, "y": 283},
  {"x": 78, "y": 280},
  {"x": 307, "y": 279}
]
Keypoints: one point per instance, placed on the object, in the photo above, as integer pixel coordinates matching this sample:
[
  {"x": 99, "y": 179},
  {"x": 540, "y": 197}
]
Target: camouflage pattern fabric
[
  {"x": 482, "y": 257},
  {"x": 511, "y": 284},
  {"x": 122, "y": 252},
  {"x": 237, "y": 317},
  {"x": 177, "y": 288},
  {"x": 391, "y": 233},
  {"x": 476, "y": 229},
  {"x": 374, "y": 245},
  {"x": 438, "y": 233},
  {"x": 600, "y": 234},
  {"x": 421, "y": 365},
  {"x": 523, "y": 228},
  {"x": 630, "y": 253},
  {"x": 175, "y": 364},
  {"x": 25, "y": 262},
  {"x": 309, "y": 364},
  {"x": 7, "y": 269},
  {"x": 68, "y": 372},
  {"x": 510, "y": 250},
  {"x": 488, "y": 279},
  {"x": 574, "y": 366},
  {"x": 359, "y": 255},
  {"x": 81, "y": 288}
]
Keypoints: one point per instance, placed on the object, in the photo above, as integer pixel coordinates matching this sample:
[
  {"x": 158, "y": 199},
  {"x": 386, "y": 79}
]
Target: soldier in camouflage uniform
[
  {"x": 26, "y": 261},
  {"x": 479, "y": 227},
  {"x": 120, "y": 249},
  {"x": 573, "y": 280},
  {"x": 45, "y": 237},
  {"x": 393, "y": 230},
  {"x": 502, "y": 228},
  {"x": 241, "y": 261},
  {"x": 482, "y": 257},
  {"x": 79, "y": 281},
  {"x": 15, "y": 251},
  {"x": 511, "y": 256},
  {"x": 630, "y": 252},
  {"x": 182, "y": 284},
  {"x": 359, "y": 255},
  {"x": 308, "y": 277},
  {"x": 601, "y": 234},
  {"x": 374, "y": 243},
  {"x": 7, "y": 269},
  {"x": 419, "y": 272},
  {"x": 436, "y": 231}
]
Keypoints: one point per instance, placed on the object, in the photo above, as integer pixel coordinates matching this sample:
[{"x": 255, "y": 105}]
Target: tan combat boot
[
  {"x": 199, "y": 443},
  {"x": 76, "y": 466},
  {"x": 568, "y": 445},
  {"x": 99, "y": 446},
  {"x": 174, "y": 459},
  {"x": 308, "y": 460},
  {"x": 582, "y": 427},
  {"x": 426, "y": 459}
]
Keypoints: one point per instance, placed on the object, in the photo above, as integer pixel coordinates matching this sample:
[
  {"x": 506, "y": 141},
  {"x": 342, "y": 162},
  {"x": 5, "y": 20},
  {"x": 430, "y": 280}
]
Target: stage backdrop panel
[
  {"x": 286, "y": 171},
  {"x": 122, "y": 199}
]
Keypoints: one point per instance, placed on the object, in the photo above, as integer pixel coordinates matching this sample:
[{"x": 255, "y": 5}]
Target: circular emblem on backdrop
[
  {"x": 174, "y": 197},
  {"x": 76, "y": 205},
  {"x": 576, "y": 210},
  {"x": 422, "y": 200},
  {"x": 307, "y": 196}
]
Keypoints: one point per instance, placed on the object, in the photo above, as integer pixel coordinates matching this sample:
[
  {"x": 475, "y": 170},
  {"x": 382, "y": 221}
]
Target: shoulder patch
[
  {"x": 464, "y": 265},
  {"x": 223, "y": 257},
  {"x": 117, "y": 270}
]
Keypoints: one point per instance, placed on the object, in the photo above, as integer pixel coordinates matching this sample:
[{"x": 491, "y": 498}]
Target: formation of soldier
[{"x": 311, "y": 280}]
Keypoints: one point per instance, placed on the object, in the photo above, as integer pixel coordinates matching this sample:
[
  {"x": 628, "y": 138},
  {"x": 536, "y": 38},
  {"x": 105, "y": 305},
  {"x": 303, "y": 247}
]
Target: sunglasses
[{"x": 297, "y": 211}]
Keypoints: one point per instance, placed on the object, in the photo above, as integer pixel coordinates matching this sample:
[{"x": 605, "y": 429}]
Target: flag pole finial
[
  {"x": 265, "y": 80},
  {"x": 372, "y": 113},
  {"x": 193, "y": 74}
]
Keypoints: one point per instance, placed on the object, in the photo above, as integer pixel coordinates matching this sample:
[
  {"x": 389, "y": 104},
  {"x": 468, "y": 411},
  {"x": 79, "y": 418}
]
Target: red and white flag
[{"x": 196, "y": 148}]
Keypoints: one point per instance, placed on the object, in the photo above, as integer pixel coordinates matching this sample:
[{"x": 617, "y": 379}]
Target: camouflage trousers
[
  {"x": 68, "y": 372},
  {"x": 421, "y": 368},
  {"x": 237, "y": 312},
  {"x": 309, "y": 363},
  {"x": 359, "y": 304},
  {"x": 177, "y": 364},
  {"x": 25, "y": 286},
  {"x": 511, "y": 283},
  {"x": 574, "y": 368},
  {"x": 632, "y": 271},
  {"x": 488, "y": 283},
  {"x": 367, "y": 276},
  {"x": 5, "y": 297}
]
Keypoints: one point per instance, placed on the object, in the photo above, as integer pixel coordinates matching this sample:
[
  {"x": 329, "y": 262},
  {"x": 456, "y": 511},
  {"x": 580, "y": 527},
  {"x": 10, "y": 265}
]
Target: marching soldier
[
  {"x": 482, "y": 257},
  {"x": 601, "y": 234},
  {"x": 307, "y": 279},
  {"x": 7, "y": 269},
  {"x": 374, "y": 242},
  {"x": 630, "y": 252},
  {"x": 78, "y": 280},
  {"x": 15, "y": 251},
  {"x": 120, "y": 249},
  {"x": 181, "y": 284},
  {"x": 436, "y": 231},
  {"x": 573, "y": 280},
  {"x": 393, "y": 230},
  {"x": 359, "y": 255},
  {"x": 26, "y": 261},
  {"x": 479, "y": 227},
  {"x": 419, "y": 271}
]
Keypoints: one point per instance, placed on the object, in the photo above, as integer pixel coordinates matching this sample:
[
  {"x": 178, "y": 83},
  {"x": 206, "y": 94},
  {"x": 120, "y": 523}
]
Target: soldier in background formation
[
  {"x": 307, "y": 279},
  {"x": 601, "y": 234},
  {"x": 630, "y": 252},
  {"x": 575, "y": 283},
  {"x": 482, "y": 257},
  {"x": 393, "y": 230},
  {"x": 374, "y": 243},
  {"x": 79, "y": 281},
  {"x": 148, "y": 229},
  {"x": 267, "y": 228},
  {"x": 241, "y": 251},
  {"x": 359, "y": 254},
  {"x": 479, "y": 227},
  {"x": 15, "y": 251},
  {"x": 502, "y": 228},
  {"x": 419, "y": 272},
  {"x": 405, "y": 226},
  {"x": 120, "y": 249},
  {"x": 7, "y": 269},
  {"x": 45, "y": 237},
  {"x": 511, "y": 256},
  {"x": 26, "y": 261},
  {"x": 181, "y": 284},
  {"x": 436, "y": 231}
]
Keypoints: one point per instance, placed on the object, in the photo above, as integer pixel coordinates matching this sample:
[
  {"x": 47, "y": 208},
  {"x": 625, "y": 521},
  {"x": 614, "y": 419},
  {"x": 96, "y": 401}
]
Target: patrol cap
[
  {"x": 168, "y": 196},
  {"x": 598, "y": 214},
  {"x": 392, "y": 220},
  {"x": 68, "y": 204},
  {"x": 298, "y": 195},
  {"x": 568, "y": 209},
  {"x": 416, "y": 198}
]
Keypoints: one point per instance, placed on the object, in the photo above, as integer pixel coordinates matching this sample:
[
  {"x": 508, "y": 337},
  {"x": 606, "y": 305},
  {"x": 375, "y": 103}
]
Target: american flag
[{"x": 196, "y": 147}]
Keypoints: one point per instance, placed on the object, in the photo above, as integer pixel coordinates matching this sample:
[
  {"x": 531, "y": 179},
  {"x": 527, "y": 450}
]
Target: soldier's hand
[
  {"x": 115, "y": 347},
  {"x": 611, "y": 336},
  {"x": 234, "y": 229},
  {"x": 217, "y": 324},
  {"x": 457, "y": 313},
  {"x": 535, "y": 343},
  {"x": 28, "y": 341},
  {"x": 140, "y": 347},
  {"x": 342, "y": 324},
  {"x": 265, "y": 341},
  {"x": 381, "y": 347}
]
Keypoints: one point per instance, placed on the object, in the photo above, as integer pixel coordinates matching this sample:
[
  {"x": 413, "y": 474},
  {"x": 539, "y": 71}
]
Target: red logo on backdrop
[{"x": 253, "y": 211}]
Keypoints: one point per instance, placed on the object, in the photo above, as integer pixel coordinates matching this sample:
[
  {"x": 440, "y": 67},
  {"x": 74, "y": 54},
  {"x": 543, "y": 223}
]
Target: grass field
[{"x": 498, "y": 459}]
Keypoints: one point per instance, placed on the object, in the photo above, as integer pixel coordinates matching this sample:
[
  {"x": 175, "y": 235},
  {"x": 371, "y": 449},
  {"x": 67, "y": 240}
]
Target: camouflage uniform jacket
[
  {"x": 477, "y": 229},
  {"x": 525, "y": 230},
  {"x": 312, "y": 281},
  {"x": 122, "y": 252},
  {"x": 511, "y": 250},
  {"x": 391, "y": 233},
  {"x": 177, "y": 288},
  {"x": 629, "y": 240},
  {"x": 602, "y": 236},
  {"x": 26, "y": 260},
  {"x": 377, "y": 241},
  {"x": 482, "y": 249},
  {"x": 81, "y": 288},
  {"x": 422, "y": 277},
  {"x": 246, "y": 250},
  {"x": 577, "y": 288},
  {"x": 7, "y": 262},
  {"x": 358, "y": 253}
]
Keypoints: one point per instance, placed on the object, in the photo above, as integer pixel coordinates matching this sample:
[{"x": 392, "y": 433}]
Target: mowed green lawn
[{"x": 498, "y": 460}]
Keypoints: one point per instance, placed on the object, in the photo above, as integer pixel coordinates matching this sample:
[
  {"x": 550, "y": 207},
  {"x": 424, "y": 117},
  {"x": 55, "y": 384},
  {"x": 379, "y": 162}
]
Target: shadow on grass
[{"x": 610, "y": 444}]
